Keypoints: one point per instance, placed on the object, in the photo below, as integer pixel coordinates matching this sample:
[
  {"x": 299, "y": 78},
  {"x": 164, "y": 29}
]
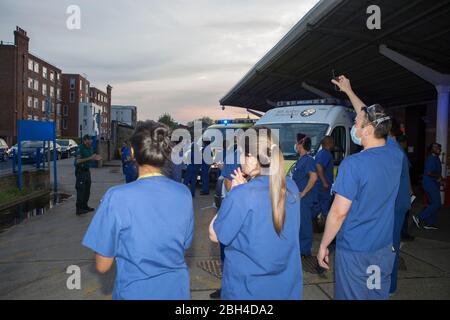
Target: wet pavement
[{"x": 35, "y": 254}]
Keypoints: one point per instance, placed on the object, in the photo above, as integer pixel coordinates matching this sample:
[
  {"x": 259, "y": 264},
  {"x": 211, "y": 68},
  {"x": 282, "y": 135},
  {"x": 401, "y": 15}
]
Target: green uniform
[{"x": 83, "y": 177}]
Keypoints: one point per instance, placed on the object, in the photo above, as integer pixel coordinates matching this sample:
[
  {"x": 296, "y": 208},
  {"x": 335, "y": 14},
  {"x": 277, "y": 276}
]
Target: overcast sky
[{"x": 176, "y": 56}]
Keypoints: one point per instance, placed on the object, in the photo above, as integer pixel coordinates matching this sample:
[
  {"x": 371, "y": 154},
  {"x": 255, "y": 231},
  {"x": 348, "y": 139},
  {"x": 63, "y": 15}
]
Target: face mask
[
  {"x": 295, "y": 148},
  {"x": 356, "y": 140}
]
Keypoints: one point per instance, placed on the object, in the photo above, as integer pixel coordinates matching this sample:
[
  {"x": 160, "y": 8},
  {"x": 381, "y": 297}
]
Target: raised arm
[{"x": 345, "y": 86}]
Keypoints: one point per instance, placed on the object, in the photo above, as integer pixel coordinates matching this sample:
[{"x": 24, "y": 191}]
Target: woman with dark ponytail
[
  {"x": 142, "y": 228},
  {"x": 258, "y": 222}
]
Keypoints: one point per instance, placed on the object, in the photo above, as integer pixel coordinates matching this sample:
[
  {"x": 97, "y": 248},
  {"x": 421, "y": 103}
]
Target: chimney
[{"x": 21, "y": 40}]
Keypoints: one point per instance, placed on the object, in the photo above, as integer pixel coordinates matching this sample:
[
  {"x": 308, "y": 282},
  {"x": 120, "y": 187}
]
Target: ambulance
[{"x": 316, "y": 119}]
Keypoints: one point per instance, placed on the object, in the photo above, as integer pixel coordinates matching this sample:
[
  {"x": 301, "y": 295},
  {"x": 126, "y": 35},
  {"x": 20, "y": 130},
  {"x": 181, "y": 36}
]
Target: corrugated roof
[{"x": 334, "y": 35}]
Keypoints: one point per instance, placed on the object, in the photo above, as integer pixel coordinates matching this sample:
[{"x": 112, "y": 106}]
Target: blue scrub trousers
[
  {"x": 354, "y": 273},
  {"x": 306, "y": 228},
  {"x": 205, "y": 178},
  {"x": 429, "y": 214},
  {"x": 399, "y": 219},
  {"x": 191, "y": 177},
  {"x": 323, "y": 204}
]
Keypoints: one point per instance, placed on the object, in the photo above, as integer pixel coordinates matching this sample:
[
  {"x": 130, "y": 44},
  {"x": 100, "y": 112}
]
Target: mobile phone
[{"x": 333, "y": 74}]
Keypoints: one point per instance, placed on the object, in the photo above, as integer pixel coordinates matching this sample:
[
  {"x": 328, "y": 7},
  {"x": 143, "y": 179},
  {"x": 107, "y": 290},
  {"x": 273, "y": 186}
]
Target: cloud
[{"x": 178, "y": 56}]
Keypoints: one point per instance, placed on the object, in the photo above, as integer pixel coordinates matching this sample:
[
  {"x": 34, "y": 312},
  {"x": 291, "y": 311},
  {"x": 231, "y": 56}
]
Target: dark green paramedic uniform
[{"x": 83, "y": 177}]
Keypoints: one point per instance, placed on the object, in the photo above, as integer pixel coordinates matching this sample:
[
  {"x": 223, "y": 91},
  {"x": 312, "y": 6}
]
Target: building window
[
  {"x": 52, "y": 76},
  {"x": 58, "y": 76},
  {"x": 85, "y": 111},
  {"x": 81, "y": 85},
  {"x": 43, "y": 105},
  {"x": 30, "y": 102},
  {"x": 52, "y": 91},
  {"x": 36, "y": 85},
  {"x": 36, "y": 103},
  {"x": 36, "y": 67},
  {"x": 30, "y": 83},
  {"x": 58, "y": 94},
  {"x": 65, "y": 110},
  {"x": 30, "y": 64},
  {"x": 58, "y": 122},
  {"x": 72, "y": 84},
  {"x": 72, "y": 96},
  {"x": 84, "y": 123},
  {"x": 44, "y": 89},
  {"x": 44, "y": 72},
  {"x": 64, "y": 123},
  {"x": 58, "y": 109}
]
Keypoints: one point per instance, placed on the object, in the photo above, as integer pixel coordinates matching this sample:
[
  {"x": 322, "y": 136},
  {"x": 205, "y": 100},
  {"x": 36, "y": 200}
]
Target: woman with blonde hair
[{"x": 259, "y": 224}]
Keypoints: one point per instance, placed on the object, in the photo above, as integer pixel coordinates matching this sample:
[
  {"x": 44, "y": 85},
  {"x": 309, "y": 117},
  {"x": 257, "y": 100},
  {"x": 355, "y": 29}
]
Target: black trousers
[{"x": 83, "y": 187}]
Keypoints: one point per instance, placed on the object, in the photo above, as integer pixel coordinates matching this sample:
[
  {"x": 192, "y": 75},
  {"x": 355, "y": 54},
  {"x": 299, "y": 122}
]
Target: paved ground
[{"x": 34, "y": 255}]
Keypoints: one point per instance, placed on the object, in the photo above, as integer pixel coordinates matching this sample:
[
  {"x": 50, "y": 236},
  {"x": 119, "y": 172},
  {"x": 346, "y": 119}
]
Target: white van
[{"x": 315, "y": 118}]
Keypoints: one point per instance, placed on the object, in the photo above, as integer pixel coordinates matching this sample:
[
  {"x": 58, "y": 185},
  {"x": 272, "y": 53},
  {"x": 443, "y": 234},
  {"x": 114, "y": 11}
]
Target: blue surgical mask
[{"x": 355, "y": 138}]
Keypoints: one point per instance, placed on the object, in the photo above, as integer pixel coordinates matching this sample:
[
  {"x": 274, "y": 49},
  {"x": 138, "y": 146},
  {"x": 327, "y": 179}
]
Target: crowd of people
[{"x": 264, "y": 225}]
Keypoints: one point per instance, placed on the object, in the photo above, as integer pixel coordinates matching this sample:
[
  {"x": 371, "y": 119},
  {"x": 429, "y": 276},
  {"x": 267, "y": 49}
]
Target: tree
[{"x": 168, "y": 120}]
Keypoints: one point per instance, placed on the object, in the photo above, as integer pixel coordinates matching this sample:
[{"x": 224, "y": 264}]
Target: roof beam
[
  {"x": 340, "y": 33},
  {"x": 316, "y": 91},
  {"x": 424, "y": 72}
]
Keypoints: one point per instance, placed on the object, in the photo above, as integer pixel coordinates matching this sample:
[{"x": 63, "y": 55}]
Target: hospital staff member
[
  {"x": 259, "y": 224},
  {"x": 432, "y": 180},
  {"x": 402, "y": 202},
  {"x": 192, "y": 169},
  {"x": 129, "y": 167},
  {"x": 231, "y": 163},
  {"x": 205, "y": 169},
  {"x": 325, "y": 172},
  {"x": 305, "y": 176},
  {"x": 403, "y": 199},
  {"x": 142, "y": 228},
  {"x": 362, "y": 213}
]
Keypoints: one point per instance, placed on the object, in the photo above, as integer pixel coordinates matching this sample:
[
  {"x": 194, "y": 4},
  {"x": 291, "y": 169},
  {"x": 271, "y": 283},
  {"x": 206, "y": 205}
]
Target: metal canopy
[{"x": 334, "y": 35}]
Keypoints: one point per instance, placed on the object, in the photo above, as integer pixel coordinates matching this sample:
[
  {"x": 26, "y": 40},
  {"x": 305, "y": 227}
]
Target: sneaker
[
  {"x": 81, "y": 212},
  {"x": 215, "y": 294},
  {"x": 89, "y": 209},
  {"x": 407, "y": 237},
  {"x": 416, "y": 222},
  {"x": 430, "y": 227}
]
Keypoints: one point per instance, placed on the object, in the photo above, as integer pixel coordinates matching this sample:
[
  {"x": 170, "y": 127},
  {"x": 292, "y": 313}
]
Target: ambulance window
[{"x": 339, "y": 137}]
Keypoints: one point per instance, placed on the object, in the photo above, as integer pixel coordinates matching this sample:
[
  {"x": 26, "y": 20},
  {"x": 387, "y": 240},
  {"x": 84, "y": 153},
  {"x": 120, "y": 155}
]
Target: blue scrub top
[
  {"x": 300, "y": 174},
  {"x": 370, "y": 179},
  {"x": 433, "y": 165},
  {"x": 148, "y": 233},
  {"x": 325, "y": 159},
  {"x": 403, "y": 201},
  {"x": 259, "y": 264}
]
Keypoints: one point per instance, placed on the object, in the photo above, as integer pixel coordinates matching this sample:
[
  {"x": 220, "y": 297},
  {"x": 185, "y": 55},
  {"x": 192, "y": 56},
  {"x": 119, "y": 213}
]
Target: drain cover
[{"x": 211, "y": 266}]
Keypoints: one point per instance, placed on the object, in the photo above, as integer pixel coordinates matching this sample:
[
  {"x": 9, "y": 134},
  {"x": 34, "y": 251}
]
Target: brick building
[
  {"x": 75, "y": 93},
  {"x": 30, "y": 87}
]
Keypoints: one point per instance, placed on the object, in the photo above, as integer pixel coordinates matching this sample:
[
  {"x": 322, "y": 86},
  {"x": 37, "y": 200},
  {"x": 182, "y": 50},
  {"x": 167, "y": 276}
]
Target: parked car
[
  {"x": 30, "y": 149},
  {"x": 12, "y": 150},
  {"x": 68, "y": 147},
  {"x": 3, "y": 150}
]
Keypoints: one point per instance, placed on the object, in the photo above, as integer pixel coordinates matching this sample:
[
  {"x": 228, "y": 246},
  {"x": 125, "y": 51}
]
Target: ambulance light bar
[{"x": 315, "y": 102}]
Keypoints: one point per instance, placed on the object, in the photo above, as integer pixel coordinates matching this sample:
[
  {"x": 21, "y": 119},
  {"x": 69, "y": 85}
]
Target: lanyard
[{"x": 150, "y": 175}]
